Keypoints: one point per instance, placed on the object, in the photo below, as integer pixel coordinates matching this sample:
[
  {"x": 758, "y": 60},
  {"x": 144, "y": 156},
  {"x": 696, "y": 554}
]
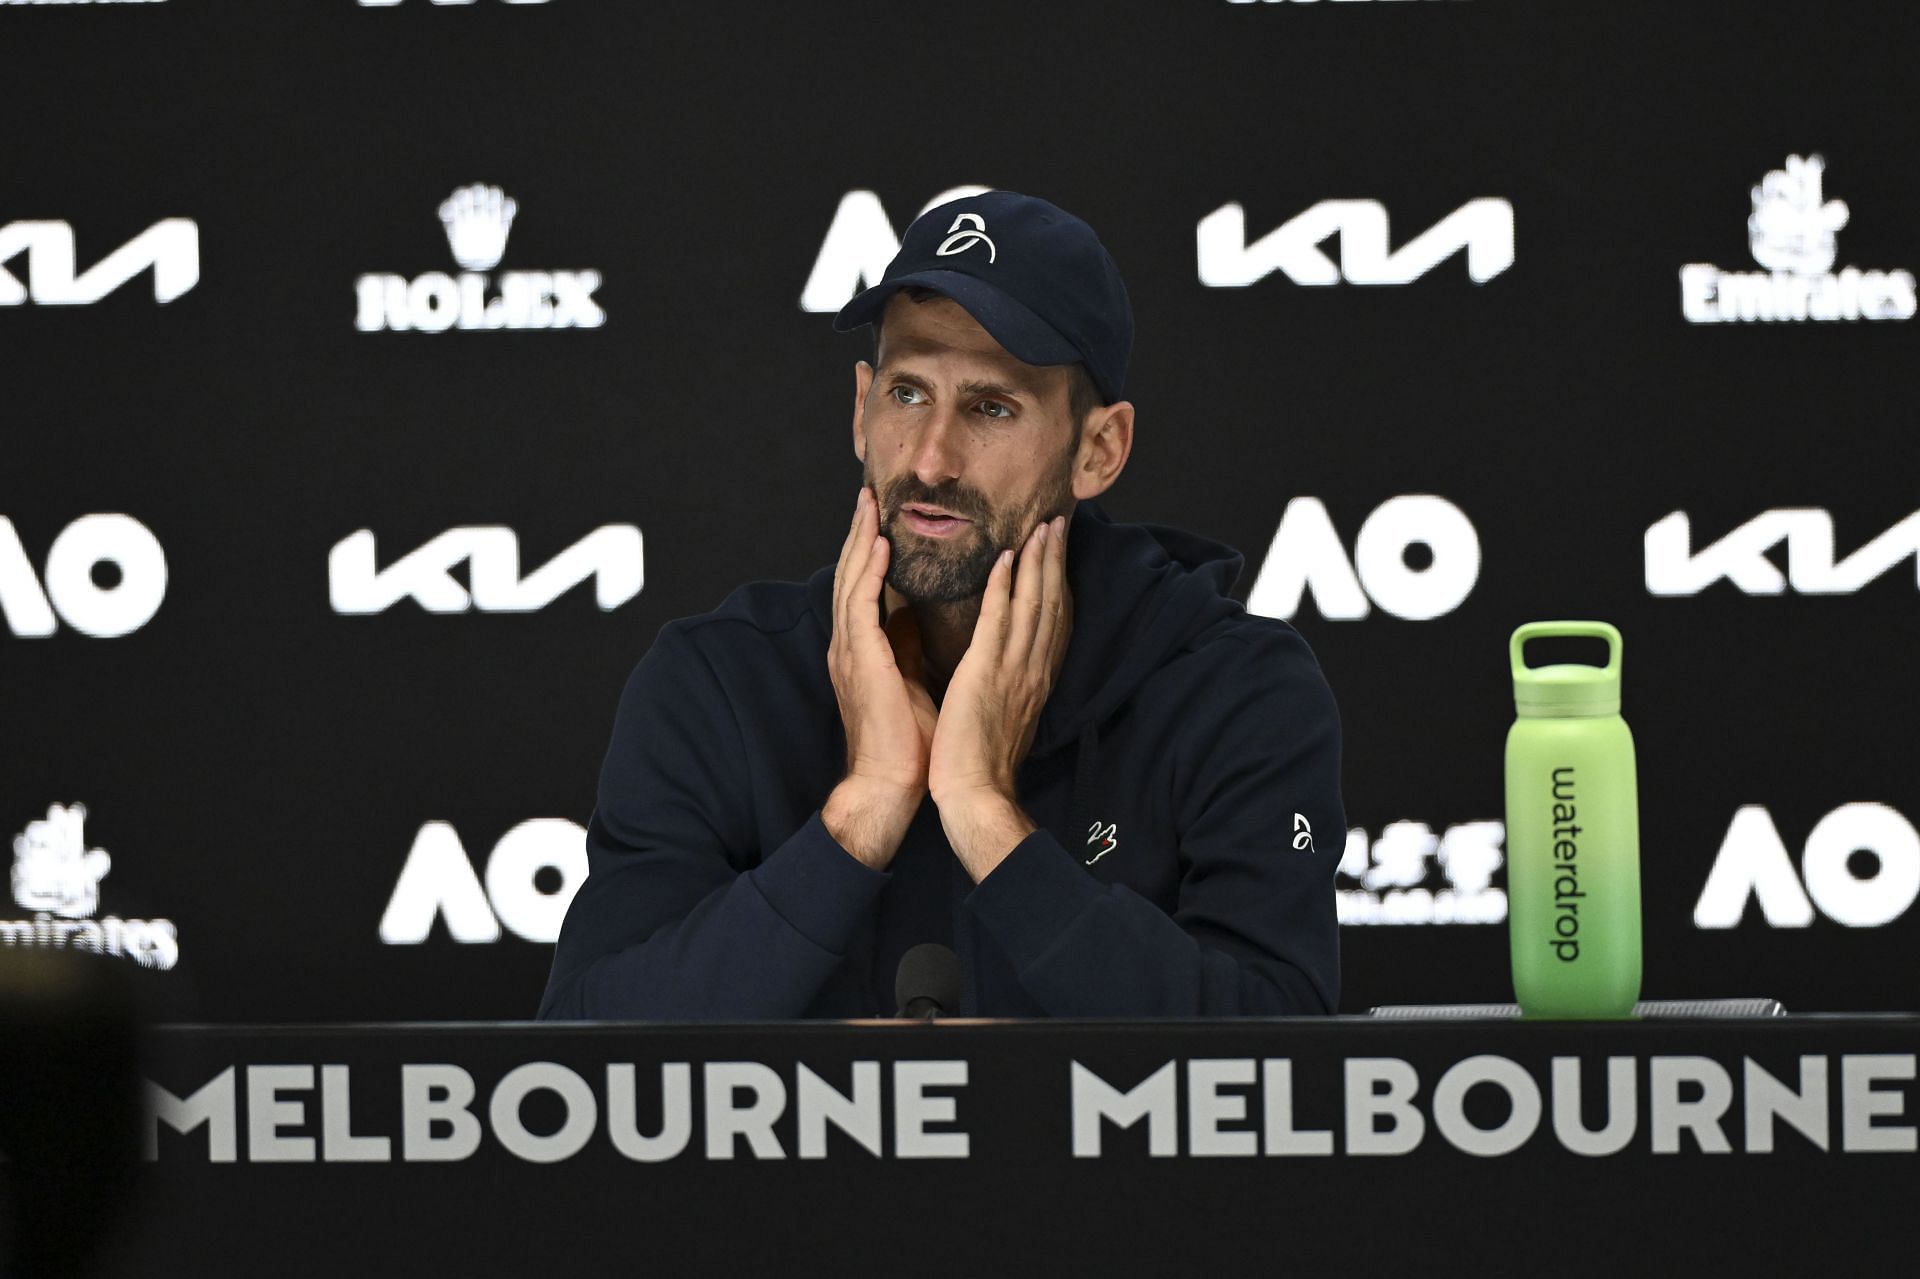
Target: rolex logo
[{"x": 477, "y": 219}]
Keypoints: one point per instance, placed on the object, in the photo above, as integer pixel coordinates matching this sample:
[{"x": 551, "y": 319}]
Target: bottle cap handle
[{"x": 1564, "y": 630}]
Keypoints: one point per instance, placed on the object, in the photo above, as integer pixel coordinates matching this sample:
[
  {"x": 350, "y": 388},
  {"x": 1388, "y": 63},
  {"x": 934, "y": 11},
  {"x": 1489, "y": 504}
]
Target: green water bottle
[{"x": 1573, "y": 834}]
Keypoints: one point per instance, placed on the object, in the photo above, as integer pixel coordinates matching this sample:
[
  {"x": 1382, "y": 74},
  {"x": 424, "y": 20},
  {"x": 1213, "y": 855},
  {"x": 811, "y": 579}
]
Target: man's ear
[
  {"x": 1105, "y": 443},
  {"x": 862, "y": 382}
]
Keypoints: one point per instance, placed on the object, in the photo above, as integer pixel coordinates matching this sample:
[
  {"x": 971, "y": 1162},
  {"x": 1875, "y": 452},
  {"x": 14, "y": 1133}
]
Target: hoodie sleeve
[
  {"x": 1261, "y": 828},
  {"x": 666, "y": 925}
]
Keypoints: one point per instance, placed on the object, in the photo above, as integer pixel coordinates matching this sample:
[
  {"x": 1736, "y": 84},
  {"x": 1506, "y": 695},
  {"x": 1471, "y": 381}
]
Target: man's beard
[{"x": 947, "y": 570}]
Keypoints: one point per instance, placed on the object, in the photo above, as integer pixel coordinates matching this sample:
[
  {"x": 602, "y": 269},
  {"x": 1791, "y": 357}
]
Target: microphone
[{"x": 927, "y": 984}]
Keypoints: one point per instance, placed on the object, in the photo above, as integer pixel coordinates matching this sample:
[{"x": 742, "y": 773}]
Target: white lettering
[
  {"x": 1753, "y": 862},
  {"x": 522, "y": 853},
  {"x": 1282, "y": 1138},
  {"x": 1871, "y": 900},
  {"x": 1700, "y": 1116},
  {"x": 1154, "y": 1099},
  {"x": 582, "y": 1113},
  {"x": 1768, "y": 1099},
  {"x": 1306, "y": 553},
  {"x": 818, "y": 1103},
  {"x": 1861, "y": 1102},
  {"x": 437, "y": 879},
  {"x": 338, "y": 1145},
  {"x": 1379, "y": 555},
  {"x": 106, "y": 612},
  {"x": 1697, "y": 287},
  {"x": 213, "y": 1104},
  {"x": 1672, "y": 568},
  {"x": 1482, "y": 227},
  {"x": 612, "y": 556},
  {"x": 676, "y": 1113},
  {"x": 267, "y": 1114},
  {"x": 1622, "y": 1117},
  {"x": 860, "y": 242},
  {"x": 1709, "y": 295},
  {"x": 913, "y": 1110},
  {"x": 435, "y": 301},
  {"x": 102, "y": 612},
  {"x": 170, "y": 246},
  {"x": 1207, "y": 1108},
  {"x": 22, "y": 603},
  {"x": 754, "y": 1120},
  {"x": 1450, "y": 1113},
  {"x": 1382, "y": 1088},
  {"x": 1740, "y": 556},
  {"x": 437, "y": 1094}
]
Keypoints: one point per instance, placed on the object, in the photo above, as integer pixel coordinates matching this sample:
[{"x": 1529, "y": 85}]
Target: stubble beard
[{"x": 950, "y": 570}]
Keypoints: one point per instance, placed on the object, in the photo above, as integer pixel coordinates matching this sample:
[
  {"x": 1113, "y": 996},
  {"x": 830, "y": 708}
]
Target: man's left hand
[{"x": 993, "y": 702}]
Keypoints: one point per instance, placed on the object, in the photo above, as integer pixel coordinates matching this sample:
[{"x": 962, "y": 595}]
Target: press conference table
[{"x": 1343, "y": 1145}]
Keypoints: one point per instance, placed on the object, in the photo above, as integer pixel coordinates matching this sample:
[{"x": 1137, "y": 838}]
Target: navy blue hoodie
[{"x": 1184, "y": 778}]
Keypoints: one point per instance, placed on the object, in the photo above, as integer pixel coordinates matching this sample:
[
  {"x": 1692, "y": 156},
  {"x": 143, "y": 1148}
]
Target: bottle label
[{"x": 1566, "y": 869}]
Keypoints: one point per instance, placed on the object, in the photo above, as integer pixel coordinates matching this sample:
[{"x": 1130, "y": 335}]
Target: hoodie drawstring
[{"x": 1085, "y": 760}]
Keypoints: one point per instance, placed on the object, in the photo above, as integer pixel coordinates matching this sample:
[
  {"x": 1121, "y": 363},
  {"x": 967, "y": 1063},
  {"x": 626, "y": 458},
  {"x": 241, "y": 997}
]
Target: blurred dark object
[{"x": 69, "y": 1109}]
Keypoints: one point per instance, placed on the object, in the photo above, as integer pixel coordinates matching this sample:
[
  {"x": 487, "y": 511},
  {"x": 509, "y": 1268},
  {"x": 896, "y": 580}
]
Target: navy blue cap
[{"x": 1035, "y": 277}]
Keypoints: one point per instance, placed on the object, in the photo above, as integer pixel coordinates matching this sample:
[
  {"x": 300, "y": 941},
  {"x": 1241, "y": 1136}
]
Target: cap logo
[{"x": 959, "y": 241}]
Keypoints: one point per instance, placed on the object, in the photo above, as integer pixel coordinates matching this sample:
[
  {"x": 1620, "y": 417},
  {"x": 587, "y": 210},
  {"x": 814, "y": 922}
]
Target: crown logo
[
  {"x": 54, "y": 870},
  {"x": 477, "y": 219},
  {"x": 1792, "y": 227}
]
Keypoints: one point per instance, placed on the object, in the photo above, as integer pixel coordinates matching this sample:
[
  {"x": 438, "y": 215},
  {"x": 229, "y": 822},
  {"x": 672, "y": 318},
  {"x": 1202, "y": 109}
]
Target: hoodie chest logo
[
  {"x": 1303, "y": 834},
  {"x": 1101, "y": 840}
]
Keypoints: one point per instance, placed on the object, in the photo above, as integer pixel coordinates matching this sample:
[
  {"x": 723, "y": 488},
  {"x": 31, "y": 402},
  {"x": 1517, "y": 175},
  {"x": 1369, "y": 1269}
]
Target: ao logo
[
  {"x": 1306, "y": 554},
  {"x": 861, "y": 241},
  {"x": 613, "y": 556},
  {"x": 439, "y": 880},
  {"x": 101, "y": 610},
  {"x": 1753, "y": 863},
  {"x": 1483, "y": 227},
  {"x": 1673, "y": 568},
  {"x": 170, "y": 246}
]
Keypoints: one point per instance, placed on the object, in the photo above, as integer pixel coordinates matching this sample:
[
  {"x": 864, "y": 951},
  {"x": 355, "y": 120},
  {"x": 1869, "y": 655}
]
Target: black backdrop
[{"x": 258, "y": 766}]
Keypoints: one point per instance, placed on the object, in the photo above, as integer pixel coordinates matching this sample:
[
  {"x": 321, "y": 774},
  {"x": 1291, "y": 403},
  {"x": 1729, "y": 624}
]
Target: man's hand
[
  {"x": 884, "y": 704},
  {"x": 993, "y": 703}
]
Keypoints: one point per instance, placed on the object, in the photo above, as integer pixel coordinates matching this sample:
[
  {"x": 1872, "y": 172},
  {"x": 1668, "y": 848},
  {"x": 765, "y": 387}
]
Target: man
[{"x": 1001, "y": 723}]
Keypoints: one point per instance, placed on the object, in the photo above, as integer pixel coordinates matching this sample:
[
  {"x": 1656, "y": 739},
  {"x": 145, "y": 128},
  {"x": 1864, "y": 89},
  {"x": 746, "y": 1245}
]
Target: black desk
[{"x": 1336, "y": 1146}]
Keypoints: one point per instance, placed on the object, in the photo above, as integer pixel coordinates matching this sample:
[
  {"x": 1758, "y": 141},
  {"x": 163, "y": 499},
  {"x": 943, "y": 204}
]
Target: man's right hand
[{"x": 884, "y": 705}]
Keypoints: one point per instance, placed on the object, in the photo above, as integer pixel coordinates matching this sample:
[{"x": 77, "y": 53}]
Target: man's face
[{"x": 950, "y": 422}]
